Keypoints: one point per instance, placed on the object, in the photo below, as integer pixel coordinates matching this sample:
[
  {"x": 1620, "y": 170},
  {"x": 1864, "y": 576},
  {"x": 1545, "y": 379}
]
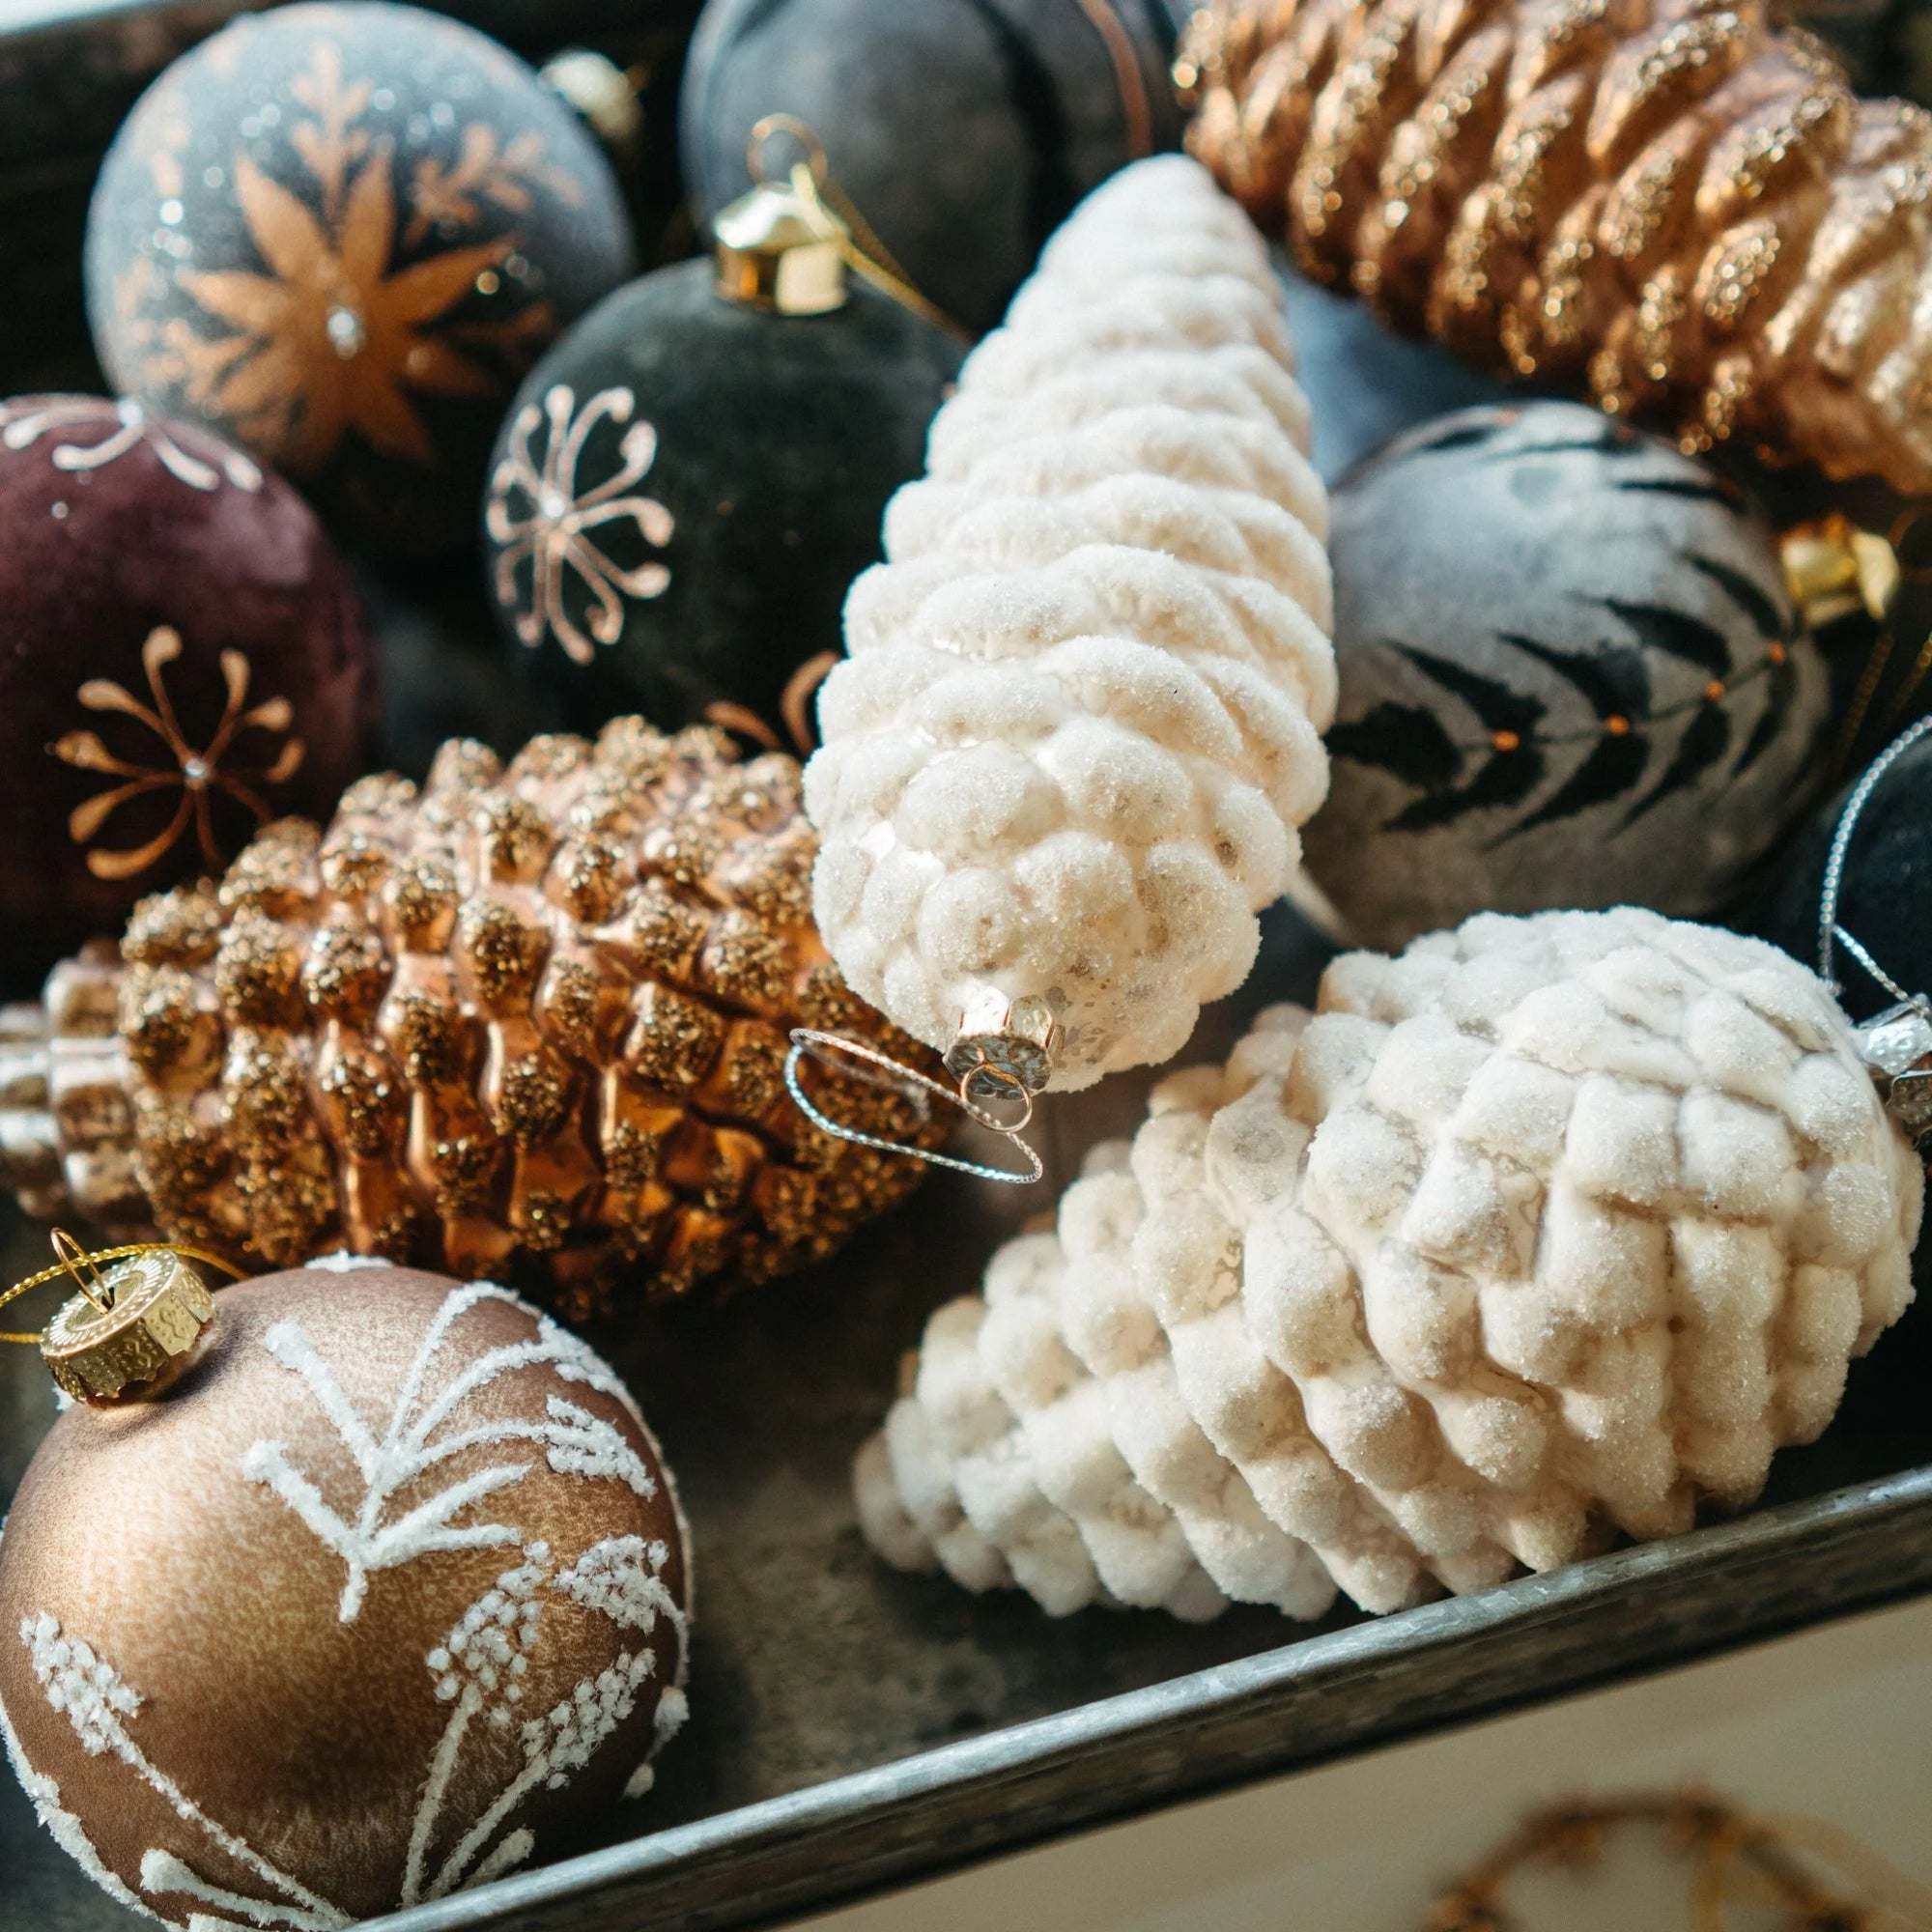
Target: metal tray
[{"x": 853, "y": 1727}]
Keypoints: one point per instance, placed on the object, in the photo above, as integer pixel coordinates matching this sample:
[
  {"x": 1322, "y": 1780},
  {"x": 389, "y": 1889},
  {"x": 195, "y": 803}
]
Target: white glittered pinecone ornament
[
  {"x": 530, "y": 1021},
  {"x": 1543, "y": 1230},
  {"x": 1064, "y": 762}
]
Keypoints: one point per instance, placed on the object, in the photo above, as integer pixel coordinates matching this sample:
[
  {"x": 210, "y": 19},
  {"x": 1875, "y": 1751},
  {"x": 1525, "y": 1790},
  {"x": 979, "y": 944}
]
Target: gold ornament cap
[
  {"x": 603, "y": 95},
  {"x": 1003, "y": 1045},
  {"x": 1835, "y": 569},
  {"x": 779, "y": 248},
  {"x": 135, "y": 1326},
  {"x": 787, "y": 246}
]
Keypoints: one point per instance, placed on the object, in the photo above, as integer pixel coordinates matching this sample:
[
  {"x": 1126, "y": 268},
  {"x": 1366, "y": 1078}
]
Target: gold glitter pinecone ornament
[
  {"x": 1662, "y": 201},
  {"x": 528, "y": 1022}
]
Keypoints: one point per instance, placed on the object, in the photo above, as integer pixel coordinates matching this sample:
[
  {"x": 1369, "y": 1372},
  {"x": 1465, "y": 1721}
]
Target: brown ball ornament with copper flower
[
  {"x": 382, "y": 1591},
  {"x": 1666, "y": 204},
  {"x": 530, "y": 1022},
  {"x": 181, "y": 658}
]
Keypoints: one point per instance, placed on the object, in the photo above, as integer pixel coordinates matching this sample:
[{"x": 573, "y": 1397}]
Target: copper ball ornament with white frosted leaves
[
  {"x": 388, "y": 1595},
  {"x": 181, "y": 656},
  {"x": 341, "y": 234}
]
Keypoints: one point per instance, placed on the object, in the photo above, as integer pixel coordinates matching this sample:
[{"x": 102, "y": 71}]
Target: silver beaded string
[
  {"x": 809, "y": 1042},
  {"x": 1830, "y": 933}
]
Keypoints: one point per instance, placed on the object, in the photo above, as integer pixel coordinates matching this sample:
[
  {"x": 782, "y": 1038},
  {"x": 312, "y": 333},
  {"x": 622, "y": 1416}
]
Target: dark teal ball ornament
[{"x": 688, "y": 483}]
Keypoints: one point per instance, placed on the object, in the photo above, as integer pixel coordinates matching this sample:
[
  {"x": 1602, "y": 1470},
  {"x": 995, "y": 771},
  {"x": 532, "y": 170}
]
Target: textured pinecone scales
[
  {"x": 528, "y": 1023},
  {"x": 1662, "y": 201},
  {"x": 1543, "y": 1229},
  {"x": 1080, "y": 722}
]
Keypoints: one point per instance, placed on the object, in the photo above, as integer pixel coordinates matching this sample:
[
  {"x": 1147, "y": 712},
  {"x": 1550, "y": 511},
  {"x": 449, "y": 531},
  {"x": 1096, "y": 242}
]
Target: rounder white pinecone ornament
[
  {"x": 1064, "y": 763},
  {"x": 1546, "y": 1229}
]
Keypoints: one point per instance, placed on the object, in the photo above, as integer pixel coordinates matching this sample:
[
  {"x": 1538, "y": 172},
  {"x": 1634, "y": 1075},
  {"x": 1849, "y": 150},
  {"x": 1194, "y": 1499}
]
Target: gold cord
[
  {"x": 1869, "y": 679},
  {"x": 794, "y": 707},
  {"x": 1135, "y": 107},
  {"x": 1906, "y": 525},
  {"x": 74, "y": 1257},
  {"x": 811, "y": 180}
]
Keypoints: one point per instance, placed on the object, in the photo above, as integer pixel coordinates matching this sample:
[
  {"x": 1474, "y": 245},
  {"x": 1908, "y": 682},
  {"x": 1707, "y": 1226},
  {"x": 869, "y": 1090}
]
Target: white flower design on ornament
[
  {"x": 21, "y": 427},
  {"x": 537, "y": 515}
]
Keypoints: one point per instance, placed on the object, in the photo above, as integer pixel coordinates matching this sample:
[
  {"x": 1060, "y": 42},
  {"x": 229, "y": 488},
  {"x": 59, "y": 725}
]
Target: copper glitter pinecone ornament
[
  {"x": 528, "y": 1022},
  {"x": 1662, "y": 201}
]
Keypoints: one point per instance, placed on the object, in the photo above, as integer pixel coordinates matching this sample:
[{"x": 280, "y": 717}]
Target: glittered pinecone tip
[{"x": 1668, "y": 204}]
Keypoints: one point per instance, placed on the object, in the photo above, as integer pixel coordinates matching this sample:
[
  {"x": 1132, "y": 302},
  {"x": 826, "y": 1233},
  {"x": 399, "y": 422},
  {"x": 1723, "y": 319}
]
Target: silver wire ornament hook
[
  {"x": 1896, "y": 1045},
  {"x": 827, "y": 1048},
  {"x": 1829, "y": 932}
]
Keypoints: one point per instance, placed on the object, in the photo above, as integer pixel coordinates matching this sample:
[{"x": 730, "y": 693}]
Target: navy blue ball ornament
[
  {"x": 1852, "y": 898},
  {"x": 964, "y": 131},
  {"x": 1572, "y": 674},
  {"x": 340, "y": 234}
]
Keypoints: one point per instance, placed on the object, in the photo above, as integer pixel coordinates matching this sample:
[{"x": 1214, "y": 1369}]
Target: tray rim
[{"x": 1626, "y": 1614}]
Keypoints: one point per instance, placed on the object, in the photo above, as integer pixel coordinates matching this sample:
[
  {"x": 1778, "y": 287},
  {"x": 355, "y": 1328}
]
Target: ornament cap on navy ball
[
  {"x": 687, "y": 485},
  {"x": 965, "y": 129},
  {"x": 341, "y": 233}
]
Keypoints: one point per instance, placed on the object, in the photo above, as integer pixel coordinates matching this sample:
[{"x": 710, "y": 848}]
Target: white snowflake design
[
  {"x": 482, "y": 1668},
  {"x": 537, "y": 516},
  {"x": 21, "y": 426}
]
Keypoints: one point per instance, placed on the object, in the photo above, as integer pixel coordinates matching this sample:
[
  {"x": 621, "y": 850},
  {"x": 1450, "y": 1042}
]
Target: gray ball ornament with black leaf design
[{"x": 1571, "y": 675}]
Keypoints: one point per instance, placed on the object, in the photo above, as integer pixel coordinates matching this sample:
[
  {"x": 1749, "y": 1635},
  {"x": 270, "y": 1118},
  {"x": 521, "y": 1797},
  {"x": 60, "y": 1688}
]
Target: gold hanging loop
[
  {"x": 129, "y": 1332},
  {"x": 858, "y": 243},
  {"x": 817, "y": 161},
  {"x": 72, "y": 1258}
]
